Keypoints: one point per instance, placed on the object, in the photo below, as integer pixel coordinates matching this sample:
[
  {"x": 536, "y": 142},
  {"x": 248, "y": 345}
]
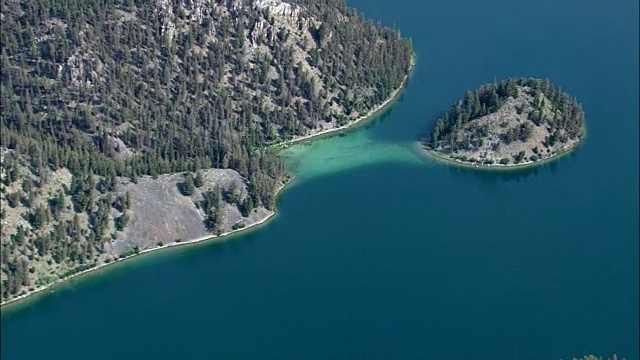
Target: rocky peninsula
[{"x": 161, "y": 127}]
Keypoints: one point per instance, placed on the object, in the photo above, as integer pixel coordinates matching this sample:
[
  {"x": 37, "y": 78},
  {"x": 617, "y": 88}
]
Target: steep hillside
[{"x": 98, "y": 95}]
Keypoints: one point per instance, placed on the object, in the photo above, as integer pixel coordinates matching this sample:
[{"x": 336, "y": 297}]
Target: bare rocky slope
[{"x": 158, "y": 214}]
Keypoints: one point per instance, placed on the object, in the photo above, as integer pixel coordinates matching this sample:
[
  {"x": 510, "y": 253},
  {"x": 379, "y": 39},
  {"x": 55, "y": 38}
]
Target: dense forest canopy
[{"x": 111, "y": 89}]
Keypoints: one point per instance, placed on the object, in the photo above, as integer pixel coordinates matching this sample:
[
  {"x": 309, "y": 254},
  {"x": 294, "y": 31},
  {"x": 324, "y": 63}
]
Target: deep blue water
[{"x": 377, "y": 252}]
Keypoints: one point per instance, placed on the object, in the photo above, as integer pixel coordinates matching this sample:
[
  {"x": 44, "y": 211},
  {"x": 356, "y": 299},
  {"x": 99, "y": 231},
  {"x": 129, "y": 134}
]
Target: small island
[{"x": 512, "y": 122}]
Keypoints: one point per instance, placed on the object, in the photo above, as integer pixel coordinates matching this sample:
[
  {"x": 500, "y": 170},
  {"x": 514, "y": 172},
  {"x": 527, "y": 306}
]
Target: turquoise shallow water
[
  {"x": 340, "y": 152},
  {"x": 377, "y": 252}
]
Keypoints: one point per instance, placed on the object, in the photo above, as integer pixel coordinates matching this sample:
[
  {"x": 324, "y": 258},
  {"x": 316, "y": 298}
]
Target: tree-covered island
[{"x": 512, "y": 122}]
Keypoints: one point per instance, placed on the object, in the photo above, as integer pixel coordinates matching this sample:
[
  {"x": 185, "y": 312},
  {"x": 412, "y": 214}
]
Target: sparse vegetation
[
  {"x": 77, "y": 269},
  {"x": 239, "y": 225}
]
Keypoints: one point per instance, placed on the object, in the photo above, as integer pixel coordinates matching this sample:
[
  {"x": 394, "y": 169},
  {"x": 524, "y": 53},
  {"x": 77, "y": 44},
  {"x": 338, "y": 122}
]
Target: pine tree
[
  {"x": 199, "y": 179},
  {"x": 187, "y": 187}
]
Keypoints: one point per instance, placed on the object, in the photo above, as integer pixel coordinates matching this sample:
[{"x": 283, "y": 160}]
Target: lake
[{"x": 378, "y": 252}]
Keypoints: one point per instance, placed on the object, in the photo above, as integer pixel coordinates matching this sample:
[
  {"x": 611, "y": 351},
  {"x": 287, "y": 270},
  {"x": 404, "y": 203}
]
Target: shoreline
[
  {"x": 358, "y": 121},
  {"x": 499, "y": 167},
  {"x": 224, "y": 236},
  {"x": 438, "y": 156}
]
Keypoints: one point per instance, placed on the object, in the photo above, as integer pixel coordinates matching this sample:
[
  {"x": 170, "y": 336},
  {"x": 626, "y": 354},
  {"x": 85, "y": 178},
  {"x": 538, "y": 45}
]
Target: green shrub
[
  {"x": 128, "y": 253},
  {"x": 239, "y": 225},
  {"x": 77, "y": 269}
]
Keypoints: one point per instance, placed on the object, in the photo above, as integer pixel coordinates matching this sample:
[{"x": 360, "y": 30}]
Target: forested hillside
[
  {"x": 511, "y": 121},
  {"x": 97, "y": 93}
]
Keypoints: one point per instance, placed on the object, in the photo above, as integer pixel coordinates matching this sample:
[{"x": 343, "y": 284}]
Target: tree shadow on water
[{"x": 385, "y": 113}]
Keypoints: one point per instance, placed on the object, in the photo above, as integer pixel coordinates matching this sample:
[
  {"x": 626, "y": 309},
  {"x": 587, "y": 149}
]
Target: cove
[{"x": 378, "y": 252}]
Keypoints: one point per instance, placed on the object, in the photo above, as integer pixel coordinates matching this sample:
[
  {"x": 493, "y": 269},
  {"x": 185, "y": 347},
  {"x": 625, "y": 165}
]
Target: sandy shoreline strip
[
  {"x": 369, "y": 115},
  {"x": 500, "y": 167}
]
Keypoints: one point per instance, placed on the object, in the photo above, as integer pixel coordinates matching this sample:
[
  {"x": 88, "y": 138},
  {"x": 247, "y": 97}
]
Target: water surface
[{"x": 377, "y": 252}]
